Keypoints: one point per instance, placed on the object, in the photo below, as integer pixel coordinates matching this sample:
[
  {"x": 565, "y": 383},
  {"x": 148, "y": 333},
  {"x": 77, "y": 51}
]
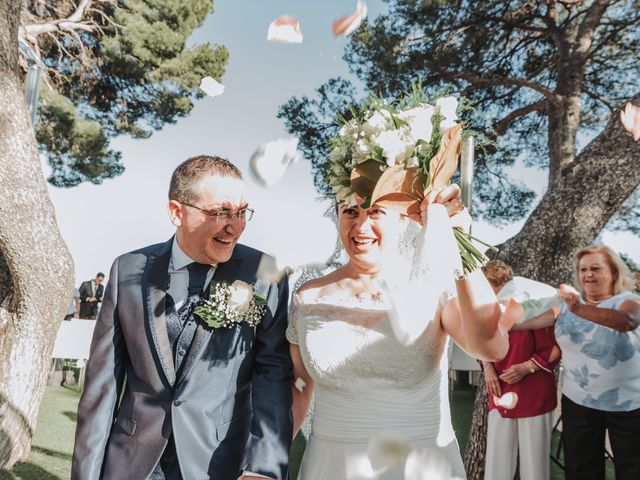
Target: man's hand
[
  {"x": 491, "y": 380},
  {"x": 515, "y": 373}
]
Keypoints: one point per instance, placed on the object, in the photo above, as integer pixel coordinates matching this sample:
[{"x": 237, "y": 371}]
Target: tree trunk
[
  {"x": 35, "y": 266},
  {"x": 570, "y": 216},
  {"x": 575, "y": 210},
  {"x": 474, "y": 455}
]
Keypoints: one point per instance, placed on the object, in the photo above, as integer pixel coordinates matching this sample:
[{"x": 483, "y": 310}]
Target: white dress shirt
[
  {"x": 179, "y": 275},
  {"x": 179, "y": 284}
]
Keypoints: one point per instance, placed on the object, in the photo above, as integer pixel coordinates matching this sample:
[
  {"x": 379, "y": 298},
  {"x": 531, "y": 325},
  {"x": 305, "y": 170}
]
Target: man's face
[
  {"x": 99, "y": 280},
  {"x": 205, "y": 238}
]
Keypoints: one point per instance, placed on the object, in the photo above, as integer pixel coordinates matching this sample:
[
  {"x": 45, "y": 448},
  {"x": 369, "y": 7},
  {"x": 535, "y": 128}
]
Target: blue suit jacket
[{"x": 229, "y": 407}]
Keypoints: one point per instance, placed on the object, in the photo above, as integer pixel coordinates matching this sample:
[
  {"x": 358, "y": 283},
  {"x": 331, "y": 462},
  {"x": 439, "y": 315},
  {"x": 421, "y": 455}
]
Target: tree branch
[
  {"x": 599, "y": 98},
  {"x": 498, "y": 81},
  {"x": 584, "y": 38},
  {"x": 503, "y": 124}
]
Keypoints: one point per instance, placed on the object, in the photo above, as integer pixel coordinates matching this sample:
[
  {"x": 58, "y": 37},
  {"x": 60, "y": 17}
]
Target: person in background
[
  {"x": 91, "y": 293},
  {"x": 528, "y": 372},
  {"x": 597, "y": 330},
  {"x": 73, "y": 310}
]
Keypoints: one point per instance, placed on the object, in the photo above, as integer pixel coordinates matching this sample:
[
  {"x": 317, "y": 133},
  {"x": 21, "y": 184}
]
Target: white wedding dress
[{"x": 368, "y": 384}]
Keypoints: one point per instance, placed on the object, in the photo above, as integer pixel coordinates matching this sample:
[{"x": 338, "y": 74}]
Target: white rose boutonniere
[{"x": 229, "y": 304}]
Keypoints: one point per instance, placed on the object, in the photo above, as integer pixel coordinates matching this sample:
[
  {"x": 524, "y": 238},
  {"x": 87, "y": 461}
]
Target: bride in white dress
[{"x": 366, "y": 382}]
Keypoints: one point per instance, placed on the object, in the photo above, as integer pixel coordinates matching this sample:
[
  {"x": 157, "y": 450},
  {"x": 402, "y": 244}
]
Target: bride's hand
[{"x": 450, "y": 198}]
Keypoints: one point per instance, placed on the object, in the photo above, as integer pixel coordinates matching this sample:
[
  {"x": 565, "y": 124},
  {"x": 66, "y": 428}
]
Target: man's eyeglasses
[{"x": 225, "y": 215}]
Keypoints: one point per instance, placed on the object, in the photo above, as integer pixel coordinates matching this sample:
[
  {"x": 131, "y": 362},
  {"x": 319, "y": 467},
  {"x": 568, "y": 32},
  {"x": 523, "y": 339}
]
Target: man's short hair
[
  {"x": 100, "y": 274},
  {"x": 191, "y": 171}
]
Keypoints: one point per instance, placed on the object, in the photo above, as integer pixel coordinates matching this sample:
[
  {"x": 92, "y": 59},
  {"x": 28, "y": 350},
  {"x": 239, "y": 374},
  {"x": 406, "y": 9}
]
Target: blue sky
[{"x": 260, "y": 76}]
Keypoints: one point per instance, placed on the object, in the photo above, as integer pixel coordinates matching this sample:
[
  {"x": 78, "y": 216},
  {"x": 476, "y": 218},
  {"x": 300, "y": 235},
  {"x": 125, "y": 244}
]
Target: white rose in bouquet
[
  {"x": 419, "y": 120},
  {"x": 362, "y": 150},
  {"x": 396, "y": 145},
  {"x": 447, "y": 107},
  {"x": 240, "y": 295},
  {"x": 377, "y": 123}
]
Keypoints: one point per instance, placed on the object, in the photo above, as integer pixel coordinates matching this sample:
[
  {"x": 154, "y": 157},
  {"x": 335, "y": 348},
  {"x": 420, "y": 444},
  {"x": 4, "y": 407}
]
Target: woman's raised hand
[
  {"x": 450, "y": 198},
  {"x": 570, "y": 296}
]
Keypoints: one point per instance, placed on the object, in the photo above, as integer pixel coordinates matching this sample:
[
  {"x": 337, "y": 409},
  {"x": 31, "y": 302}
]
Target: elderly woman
[
  {"x": 526, "y": 371},
  {"x": 597, "y": 331},
  {"x": 367, "y": 382}
]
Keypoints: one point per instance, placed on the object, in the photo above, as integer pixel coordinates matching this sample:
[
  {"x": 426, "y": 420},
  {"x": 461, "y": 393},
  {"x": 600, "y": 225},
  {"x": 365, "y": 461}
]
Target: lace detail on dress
[{"x": 348, "y": 344}]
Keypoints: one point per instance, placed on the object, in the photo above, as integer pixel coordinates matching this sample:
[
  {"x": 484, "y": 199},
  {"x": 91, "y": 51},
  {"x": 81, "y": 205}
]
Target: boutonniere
[{"x": 229, "y": 304}]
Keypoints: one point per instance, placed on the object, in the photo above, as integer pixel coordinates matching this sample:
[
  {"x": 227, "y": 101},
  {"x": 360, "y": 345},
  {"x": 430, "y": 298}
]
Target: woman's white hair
[{"x": 622, "y": 278}]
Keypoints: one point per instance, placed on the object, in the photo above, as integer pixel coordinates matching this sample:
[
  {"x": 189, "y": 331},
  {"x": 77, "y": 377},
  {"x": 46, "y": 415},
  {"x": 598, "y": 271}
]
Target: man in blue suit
[{"x": 166, "y": 396}]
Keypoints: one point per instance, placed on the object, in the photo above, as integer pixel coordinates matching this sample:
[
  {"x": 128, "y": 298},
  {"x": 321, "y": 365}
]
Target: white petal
[
  {"x": 284, "y": 29},
  {"x": 349, "y": 23},
  {"x": 507, "y": 401},
  {"x": 270, "y": 161},
  {"x": 387, "y": 450},
  {"x": 300, "y": 384},
  {"x": 305, "y": 252},
  {"x": 211, "y": 86},
  {"x": 427, "y": 464},
  {"x": 630, "y": 117}
]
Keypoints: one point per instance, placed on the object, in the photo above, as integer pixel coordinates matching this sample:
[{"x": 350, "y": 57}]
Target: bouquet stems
[{"x": 471, "y": 257}]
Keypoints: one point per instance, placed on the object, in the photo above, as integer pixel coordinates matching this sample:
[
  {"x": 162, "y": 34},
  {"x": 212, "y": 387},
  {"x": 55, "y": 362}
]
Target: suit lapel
[
  {"x": 225, "y": 272},
  {"x": 155, "y": 292}
]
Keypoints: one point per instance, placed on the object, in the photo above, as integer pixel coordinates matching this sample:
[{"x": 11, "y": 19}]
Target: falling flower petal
[
  {"x": 284, "y": 29},
  {"x": 349, "y": 23},
  {"x": 211, "y": 86},
  {"x": 630, "y": 117},
  {"x": 300, "y": 384},
  {"x": 296, "y": 251},
  {"x": 427, "y": 464},
  {"x": 387, "y": 450},
  {"x": 508, "y": 400},
  {"x": 270, "y": 161}
]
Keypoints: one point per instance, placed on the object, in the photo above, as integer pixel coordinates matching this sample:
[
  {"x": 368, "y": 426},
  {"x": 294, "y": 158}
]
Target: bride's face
[{"x": 368, "y": 234}]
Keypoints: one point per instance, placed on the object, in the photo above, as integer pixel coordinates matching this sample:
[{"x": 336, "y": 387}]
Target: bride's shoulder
[{"x": 319, "y": 287}]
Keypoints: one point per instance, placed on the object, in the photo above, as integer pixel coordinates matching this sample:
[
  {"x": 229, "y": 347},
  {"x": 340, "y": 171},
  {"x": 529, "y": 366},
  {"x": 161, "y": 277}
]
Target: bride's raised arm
[
  {"x": 545, "y": 319},
  {"x": 476, "y": 321}
]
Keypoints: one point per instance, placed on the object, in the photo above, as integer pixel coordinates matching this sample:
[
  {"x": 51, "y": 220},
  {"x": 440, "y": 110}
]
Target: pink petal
[
  {"x": 630, "y": 117},
  {"x": 349, "y": 23},
  {"x": 284, "y": 29}
]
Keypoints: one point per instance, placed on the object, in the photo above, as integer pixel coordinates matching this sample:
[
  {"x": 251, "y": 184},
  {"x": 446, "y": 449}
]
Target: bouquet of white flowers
[{"x": 395, "y": 154}]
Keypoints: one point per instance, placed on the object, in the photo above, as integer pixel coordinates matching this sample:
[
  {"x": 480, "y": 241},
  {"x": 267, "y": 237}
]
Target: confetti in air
[
  {"x": 284, "y": 29},
  {"x": 349, "y": 23},
  {"x": 211, "y": 87},
  {"x": 630, "y": 117},
  {"x": 271, "y": 160}
]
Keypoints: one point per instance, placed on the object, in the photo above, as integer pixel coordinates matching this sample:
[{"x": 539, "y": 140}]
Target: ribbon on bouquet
[{"x": 416, "y": 292}]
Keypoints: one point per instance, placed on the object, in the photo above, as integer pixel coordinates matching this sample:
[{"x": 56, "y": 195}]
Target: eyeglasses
[{"x": 225, "y": 215}]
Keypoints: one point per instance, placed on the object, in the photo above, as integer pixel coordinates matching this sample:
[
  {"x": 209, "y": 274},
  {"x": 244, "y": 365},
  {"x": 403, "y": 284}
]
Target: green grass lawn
[{"x": 53, "y": 440}]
